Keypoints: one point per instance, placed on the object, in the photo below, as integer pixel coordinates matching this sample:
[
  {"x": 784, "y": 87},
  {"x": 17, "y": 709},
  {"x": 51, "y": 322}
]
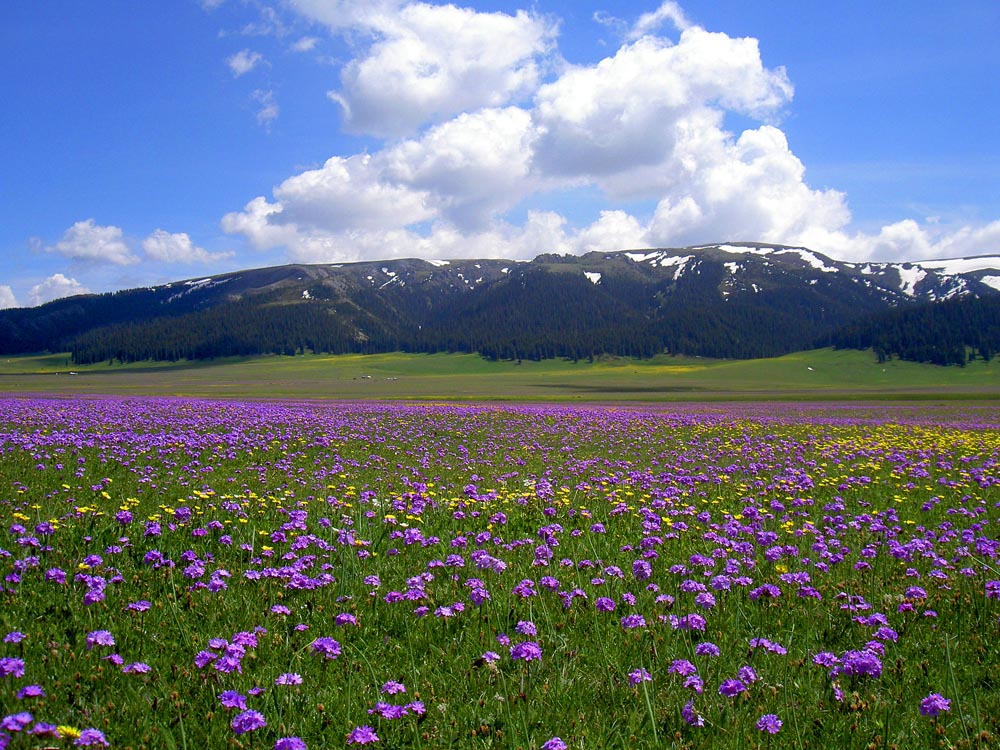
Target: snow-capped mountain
[{"x": 734, "y": 299}]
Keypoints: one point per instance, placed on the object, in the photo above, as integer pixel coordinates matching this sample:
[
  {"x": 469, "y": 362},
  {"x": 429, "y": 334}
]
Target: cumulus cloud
[
  {"x": 472, "y": 167},
  {"x": 354, "y": 192},
  {"x": 633, "y": 111},
  {"x": 56, "y": 286},
  {"x": 243, "y": 62},
  {"x": 7, "y": 298},
  {"x": 177, "y": 248},
  {"x": 90, "y": 242},
  {"x": 430, "y": 62},
  {"x": 483, "y": 118}
]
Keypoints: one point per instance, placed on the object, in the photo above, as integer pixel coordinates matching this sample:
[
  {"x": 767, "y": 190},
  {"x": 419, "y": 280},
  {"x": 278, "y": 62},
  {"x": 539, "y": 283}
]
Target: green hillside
[{"x": 812, "y": 375}]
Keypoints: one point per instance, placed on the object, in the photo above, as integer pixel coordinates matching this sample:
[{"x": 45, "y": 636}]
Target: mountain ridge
[{"x": 734, "y": 299}]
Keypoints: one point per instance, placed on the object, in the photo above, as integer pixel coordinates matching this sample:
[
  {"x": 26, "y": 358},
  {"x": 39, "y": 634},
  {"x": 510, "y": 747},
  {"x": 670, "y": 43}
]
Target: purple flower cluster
[{"x": 520, "y": 528}]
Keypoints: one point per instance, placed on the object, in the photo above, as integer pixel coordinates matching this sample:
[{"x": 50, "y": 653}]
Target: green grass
[
  {"x": 818, "y": 374},
  {"x": 333, "y": 489}
]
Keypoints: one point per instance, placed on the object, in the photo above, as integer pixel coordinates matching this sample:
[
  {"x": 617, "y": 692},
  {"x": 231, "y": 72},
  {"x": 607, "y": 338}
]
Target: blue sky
[{"x": 170, "y": 139}]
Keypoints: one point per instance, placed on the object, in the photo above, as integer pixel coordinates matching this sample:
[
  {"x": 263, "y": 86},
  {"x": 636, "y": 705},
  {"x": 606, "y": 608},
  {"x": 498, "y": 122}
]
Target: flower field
[{"x": 205, "y": 574}]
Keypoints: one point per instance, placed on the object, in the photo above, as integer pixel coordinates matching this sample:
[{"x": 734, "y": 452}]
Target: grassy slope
[{"x": 818, "y": 374}]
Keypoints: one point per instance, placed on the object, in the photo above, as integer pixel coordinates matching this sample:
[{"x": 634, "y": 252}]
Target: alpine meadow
[
  {"x": 500, "y": 375},
  {"x": 293, "y": 574}
]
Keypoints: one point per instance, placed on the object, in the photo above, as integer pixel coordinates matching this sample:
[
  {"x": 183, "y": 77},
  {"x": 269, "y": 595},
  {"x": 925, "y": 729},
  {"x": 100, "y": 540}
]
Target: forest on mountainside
[{"x": 941, "y": 333}]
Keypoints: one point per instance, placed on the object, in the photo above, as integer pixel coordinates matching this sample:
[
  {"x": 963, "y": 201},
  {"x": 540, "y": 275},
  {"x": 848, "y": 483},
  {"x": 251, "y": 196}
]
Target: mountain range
[{"x": 736, "y": 300}]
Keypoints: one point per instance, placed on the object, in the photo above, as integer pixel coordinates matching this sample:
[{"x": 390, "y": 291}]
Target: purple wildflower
[
  {"x": 389, "y": 711},
  {"x": 31, "y": 691},
  {"x": 364, "y": 735},
  {"x": 99, "y": 638},
  {"x": 10, "y": 665},
  {"x": 768, "y": 590},
  {"x": 528, "y": 651},
  {"x": 554, "y": 744},
  {"x": 16, "y": 722},
  {"x": 91, "y": 738},
  {"x": 137, "y": 667},
  {"x": 861, "y": 663},
  {"x": 706, "y": 648},
  {"x": 769, "y": 723},
  {"x": 232, "y": 699},
  {"x": 393, "y": 688},
  {"x": 682, "y": 667},
  {"x": 705, "y": 600},
  {"x": 248, "y": 721},
  {"x": 631, "y": 622},
  {"x": 732, "y": 688},
  {"x": 639, "y": 675},
  {"x": 44, "y": 729},
  {"x": 290, "y": 743},
  {"x": 747, "y": 674},
  {"x": 288, "y": 678},
  {"x": 327, "y": 647},
  {"x": 526, "y": 627},
  {"x": 934, "y": 704},
  {"x": 525, "y": 589},
  {"x": 691, "y": 716},
  {"x": 604, "y": 604},
  {"x": 826, "y": 659}
]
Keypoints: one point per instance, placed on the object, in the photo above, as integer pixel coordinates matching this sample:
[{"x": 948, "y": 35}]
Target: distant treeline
[
  {"x": 942, "y": 333},
  {"x": 542, "y": 310},
  {"x": 238, "y": 329},
  {"x": 540, "y": 315}
]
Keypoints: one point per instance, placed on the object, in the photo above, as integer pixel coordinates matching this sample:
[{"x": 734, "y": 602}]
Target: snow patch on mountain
[
  {"x": 955, "y": 266},
  {"x": 593, "y": 277},
  {"x": 809, "y": 258},
  {"x": 991, "y": 281},
  {"x": 909, "y": 277},
  {"x": 739, "y": 250}
]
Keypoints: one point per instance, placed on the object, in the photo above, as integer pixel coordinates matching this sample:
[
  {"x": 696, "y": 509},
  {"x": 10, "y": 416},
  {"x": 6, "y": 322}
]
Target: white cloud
[
  {"x": 906, "y": 240},
  {"x": 430, "y": 62},
  {"x": 254, "y": 222},
  {"x": 244, "y": 61},
  {"x": 7, "y": 298},
  {"x": 177, "y": 248},
  {"x": 462, "y": 173},
  {"x": 351, "y": 192},
  {"x": 269, "y": 109},
  {"x": 90, "y": 242},
  {"x": 485, "y": 122},
  {"x": 614, "y": 230},
  {"x": 629, "y": 111},
  {"x": 472, "y": 167},
  {"x": 748, "y": 188},
  {"x": 340, "y": 15},
  {"x": 305, "y": 44},
  {"x": 650, "y": 22},
  {"x": 56, "y": 286}
]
